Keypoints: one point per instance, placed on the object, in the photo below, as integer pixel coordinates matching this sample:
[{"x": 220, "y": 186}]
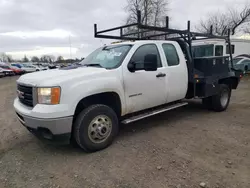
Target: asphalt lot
[{"x": 181, "y": 148}]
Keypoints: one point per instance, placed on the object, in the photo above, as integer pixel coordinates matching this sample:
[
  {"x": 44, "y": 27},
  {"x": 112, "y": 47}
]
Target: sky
[{"x": 38, "y": 27}]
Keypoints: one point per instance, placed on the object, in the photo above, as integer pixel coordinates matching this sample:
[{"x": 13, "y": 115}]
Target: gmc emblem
[{"x": 20, "y": 94}]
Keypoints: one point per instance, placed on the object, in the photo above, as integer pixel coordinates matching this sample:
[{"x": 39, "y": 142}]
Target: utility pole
[{"x": 70, "y": 48}]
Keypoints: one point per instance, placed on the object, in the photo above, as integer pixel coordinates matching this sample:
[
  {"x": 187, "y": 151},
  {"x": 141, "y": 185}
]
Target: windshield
[
  {"x": 108, "y": 57},
  {"x": 203, "y": 50},
  {"x": 28, "y": 66},
  {"x": 236, "y": 60},
  {"x": 16, "y": 65}
]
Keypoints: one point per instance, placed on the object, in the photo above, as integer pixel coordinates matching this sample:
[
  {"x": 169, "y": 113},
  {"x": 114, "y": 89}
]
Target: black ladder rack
[{"x": 140, "y": 31}]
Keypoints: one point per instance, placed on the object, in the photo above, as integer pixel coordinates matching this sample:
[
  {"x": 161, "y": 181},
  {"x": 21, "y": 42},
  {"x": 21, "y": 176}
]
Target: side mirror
[
  {"x": 131, "y": 67},
  {"x": 150, "y": 62}
]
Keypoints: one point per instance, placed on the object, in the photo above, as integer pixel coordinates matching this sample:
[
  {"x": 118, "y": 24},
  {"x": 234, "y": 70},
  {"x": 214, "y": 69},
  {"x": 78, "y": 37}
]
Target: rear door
[{"x": 177, "y": 73}]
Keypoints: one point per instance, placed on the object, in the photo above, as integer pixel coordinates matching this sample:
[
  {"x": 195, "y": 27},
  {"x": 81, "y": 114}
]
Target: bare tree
[
  {"x": 152, "y": 11},
  {"x": 35, "y": 59},
  {"x": 232, "y": 19}
]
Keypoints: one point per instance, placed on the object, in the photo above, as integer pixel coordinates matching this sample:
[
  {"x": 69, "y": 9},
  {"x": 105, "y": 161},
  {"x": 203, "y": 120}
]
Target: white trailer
[{"x": 218, "y": 47}]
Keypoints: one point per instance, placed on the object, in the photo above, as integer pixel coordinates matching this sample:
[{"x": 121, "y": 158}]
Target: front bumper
[
  {"x": 58, "y": 130},
  {"x": 48, "y": 122}
]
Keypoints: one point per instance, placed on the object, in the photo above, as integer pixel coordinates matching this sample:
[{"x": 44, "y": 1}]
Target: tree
[
  {"x": 60, "y": 59},
  {"x": 152, "y": 11},
  {"x": 47, "y": 58},
  {"x": 35, "y": 59},
  {"x": 25, "y": 59},
  {"x": 232, "y": 19},
  {"x": 5, "y": 58}
]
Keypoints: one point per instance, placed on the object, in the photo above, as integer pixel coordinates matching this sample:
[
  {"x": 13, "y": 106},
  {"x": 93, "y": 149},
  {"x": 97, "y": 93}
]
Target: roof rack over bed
[{"x": 139, "y": 31}]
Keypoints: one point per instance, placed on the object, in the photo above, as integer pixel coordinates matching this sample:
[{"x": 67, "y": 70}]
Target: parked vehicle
[
  {"x": 123, "y": 82},
  {"x": 16, "y": 70},
  {"x": 1, "y": 73},
  {"x": 242, "y": 63},
  {"x": 219, "y": 47},
  {"x": 6, "y": 70},
  {"x": 25, "y": 67}
]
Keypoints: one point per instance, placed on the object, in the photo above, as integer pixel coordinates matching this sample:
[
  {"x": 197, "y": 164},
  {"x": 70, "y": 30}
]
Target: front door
[{"x": 145, "y": 89}]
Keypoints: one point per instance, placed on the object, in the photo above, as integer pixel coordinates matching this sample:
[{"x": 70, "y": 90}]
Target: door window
[{"x": 141, "y": 52}]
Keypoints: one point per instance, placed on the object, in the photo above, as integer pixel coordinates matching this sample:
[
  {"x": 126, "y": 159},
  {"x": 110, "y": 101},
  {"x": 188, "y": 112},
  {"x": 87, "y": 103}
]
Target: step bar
[{"x": 153, "y": 112}]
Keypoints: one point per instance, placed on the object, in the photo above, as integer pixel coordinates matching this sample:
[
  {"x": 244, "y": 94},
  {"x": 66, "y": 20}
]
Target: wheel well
[
  {"x": 231, "y": 82},
  {"x": 110, "y": 99}
]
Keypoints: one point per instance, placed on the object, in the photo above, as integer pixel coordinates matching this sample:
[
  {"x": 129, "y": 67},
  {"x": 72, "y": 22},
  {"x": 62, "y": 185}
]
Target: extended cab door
[
  {"x": 177, "y": 73},
  {"x": 144, "y": 89}
]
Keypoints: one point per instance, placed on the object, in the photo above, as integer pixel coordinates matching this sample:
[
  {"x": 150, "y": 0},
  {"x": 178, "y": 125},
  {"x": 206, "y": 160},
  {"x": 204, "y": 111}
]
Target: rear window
[{"x": 171, "y": 54}]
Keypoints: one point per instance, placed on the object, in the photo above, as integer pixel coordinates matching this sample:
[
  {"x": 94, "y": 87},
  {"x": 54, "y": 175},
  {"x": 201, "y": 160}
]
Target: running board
[{"x": 154, "y": 112}]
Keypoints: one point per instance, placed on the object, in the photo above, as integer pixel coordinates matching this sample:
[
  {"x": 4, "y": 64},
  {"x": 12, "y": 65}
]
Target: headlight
[{"x": 49, "y": 95}]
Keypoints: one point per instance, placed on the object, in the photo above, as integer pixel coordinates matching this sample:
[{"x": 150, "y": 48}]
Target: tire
[
  {"x": 91, "y": 123},
  {"x": 221, "y": 101}
]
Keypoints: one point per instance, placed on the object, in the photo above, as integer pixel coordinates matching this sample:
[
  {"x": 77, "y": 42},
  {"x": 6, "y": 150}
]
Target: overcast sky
[{"x": 36, "y": 27}]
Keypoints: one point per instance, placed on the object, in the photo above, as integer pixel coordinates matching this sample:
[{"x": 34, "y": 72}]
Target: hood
[{"x": 56, "y": 76}]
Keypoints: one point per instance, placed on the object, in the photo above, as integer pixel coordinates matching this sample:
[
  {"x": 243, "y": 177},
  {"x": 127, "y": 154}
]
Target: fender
[{"x": 83, "y": 89}]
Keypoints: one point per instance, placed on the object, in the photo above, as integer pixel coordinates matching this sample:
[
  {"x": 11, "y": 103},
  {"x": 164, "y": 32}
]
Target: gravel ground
[{"x": 187, "y": 147}]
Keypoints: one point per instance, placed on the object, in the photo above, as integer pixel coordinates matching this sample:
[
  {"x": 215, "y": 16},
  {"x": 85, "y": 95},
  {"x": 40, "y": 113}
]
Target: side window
[
  {"x": 141, "y": 52},
  {"x": 246, "y": 62},
  {"x": 171, "y": 54},
  {"x": 218, "y": 50},
  {"x": 233, "y": 49}
]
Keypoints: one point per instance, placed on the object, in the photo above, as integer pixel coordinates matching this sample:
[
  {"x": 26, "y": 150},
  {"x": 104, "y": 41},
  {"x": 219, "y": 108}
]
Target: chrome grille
[{"x": 25, "y": 94}]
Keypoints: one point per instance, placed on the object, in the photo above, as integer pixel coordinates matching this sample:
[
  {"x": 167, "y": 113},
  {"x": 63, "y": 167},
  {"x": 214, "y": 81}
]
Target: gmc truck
[{"x": 122, "y": 83}]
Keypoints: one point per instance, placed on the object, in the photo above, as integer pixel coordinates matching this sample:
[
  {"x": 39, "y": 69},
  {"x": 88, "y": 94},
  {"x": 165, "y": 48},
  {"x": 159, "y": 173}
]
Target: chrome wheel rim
[
  {"x": 224, "y": 98},
  {"x": 100, "y": 129}
]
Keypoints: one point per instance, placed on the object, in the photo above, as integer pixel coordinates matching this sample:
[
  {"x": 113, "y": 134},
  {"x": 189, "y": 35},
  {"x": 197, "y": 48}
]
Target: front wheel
[{"x": 96, "y": 127}]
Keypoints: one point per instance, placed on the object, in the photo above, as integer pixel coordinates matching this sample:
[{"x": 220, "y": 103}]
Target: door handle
[{"x": 160, "y": 75}]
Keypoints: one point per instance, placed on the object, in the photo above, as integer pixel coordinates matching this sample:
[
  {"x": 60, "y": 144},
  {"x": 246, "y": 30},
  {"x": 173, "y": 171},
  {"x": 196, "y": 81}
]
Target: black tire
[
  {"x": 218, "y": 104},
  {"x": 83, "y": 122}
]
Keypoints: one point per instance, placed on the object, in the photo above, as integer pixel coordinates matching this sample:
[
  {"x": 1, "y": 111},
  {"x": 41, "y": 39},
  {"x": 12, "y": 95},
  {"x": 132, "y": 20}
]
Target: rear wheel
[
  {"x": 220, "y": 101},
  {"x": 96, "y": 127}
]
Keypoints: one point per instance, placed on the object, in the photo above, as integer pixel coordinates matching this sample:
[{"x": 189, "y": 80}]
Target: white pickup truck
[{"x": 121, "y": 82}]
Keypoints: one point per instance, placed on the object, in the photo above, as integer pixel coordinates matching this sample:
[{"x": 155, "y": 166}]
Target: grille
[{"x": 25, "y": 95}]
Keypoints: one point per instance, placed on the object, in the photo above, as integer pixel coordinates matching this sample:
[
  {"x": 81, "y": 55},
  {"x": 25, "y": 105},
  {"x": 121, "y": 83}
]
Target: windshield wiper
[{"x": 93, "y": 65}]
